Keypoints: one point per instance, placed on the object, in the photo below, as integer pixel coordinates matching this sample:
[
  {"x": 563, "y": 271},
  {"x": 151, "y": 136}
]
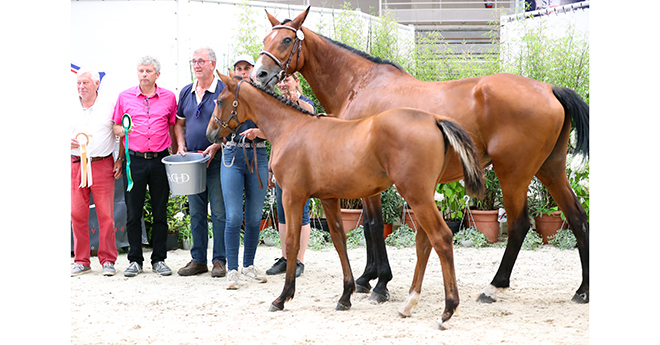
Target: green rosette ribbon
[{"x": 127, "y": 124}]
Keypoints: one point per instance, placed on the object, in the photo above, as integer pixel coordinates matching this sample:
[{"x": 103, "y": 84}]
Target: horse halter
[
  {"x": 297, "y": 45},
  {"x": 233, "y": 115}
]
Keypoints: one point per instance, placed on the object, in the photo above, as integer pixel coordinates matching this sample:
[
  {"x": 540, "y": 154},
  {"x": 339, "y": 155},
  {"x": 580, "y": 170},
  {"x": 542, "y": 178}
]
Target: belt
[
  {"x": 148, "y": 155},
  {"x": 76, "y": 159},
  {"x": 246, "y": 145}
]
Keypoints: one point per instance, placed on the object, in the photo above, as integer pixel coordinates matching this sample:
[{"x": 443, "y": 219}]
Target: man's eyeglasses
[{"x": 199, "y": 62}]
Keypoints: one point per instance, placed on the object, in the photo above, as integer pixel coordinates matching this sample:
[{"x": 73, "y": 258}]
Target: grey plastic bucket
[{"x": 186, "y": 174}]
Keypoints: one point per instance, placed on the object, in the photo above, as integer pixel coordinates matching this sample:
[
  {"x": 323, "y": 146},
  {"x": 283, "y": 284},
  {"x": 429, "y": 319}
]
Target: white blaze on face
[{"x": 257, "y": 66}]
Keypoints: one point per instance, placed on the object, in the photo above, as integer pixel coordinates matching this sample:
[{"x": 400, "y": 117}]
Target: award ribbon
[
  {"x": 127, "y": 124},
  {"x": 85, "y": 161}
]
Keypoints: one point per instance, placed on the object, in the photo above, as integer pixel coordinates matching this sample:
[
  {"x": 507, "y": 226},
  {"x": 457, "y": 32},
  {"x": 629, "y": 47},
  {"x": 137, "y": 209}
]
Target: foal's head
[{"x": 229, "y": 114}]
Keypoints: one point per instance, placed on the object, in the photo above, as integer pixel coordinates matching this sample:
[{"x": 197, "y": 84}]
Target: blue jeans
[
  {"x": 237, "y": 180},
  {"x": 280, "y": 209},
  {"x": 199, "y": 225}
]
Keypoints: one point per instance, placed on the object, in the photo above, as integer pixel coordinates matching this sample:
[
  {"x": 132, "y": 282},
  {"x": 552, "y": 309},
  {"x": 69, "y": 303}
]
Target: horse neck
[
  {"x": 272, "y": 117},
  {"x": 329, "y": 68}
]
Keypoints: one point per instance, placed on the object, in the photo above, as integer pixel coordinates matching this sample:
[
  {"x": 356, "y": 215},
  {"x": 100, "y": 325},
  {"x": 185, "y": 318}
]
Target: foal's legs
[
  {"x": 332, "y": 212},
  {"x": 438, "y": 234},
  {"x": 377, "y": 265},
  {"x": 293, "y": 212}
]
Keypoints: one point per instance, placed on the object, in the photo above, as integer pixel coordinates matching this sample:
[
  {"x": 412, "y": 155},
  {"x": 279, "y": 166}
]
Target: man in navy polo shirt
[{"x": 194, "y": 111}]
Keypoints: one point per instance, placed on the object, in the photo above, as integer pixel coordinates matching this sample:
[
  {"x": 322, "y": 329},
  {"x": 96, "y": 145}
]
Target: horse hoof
[
  {"x": 440, "y": 326},
  {"x": 274, "y": 308},
  {"x": 483, "y": 298},
  {"x": 379, "y": 298},
  {"x": 362, "y": 289},
  {"x": 580, "y": 298},
  {"x": 341, "y": 307}
]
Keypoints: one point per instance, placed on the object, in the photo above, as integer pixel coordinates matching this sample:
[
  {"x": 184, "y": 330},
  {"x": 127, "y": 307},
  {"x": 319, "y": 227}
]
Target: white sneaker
[
  {"x": 232, "y": 280},
  {"x": 254, "y": 274}
]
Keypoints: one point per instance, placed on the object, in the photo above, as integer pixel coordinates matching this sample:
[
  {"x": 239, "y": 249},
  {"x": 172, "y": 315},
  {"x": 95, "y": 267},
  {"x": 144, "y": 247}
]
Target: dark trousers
[{"x": 151, "y": 173}]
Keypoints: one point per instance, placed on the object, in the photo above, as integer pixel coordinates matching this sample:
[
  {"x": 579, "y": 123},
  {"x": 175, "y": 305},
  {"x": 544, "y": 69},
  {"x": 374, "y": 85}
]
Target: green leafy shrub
[
  {"x": 563, "y": 239},
  {"x": 402, "y": 237},
  {"x": 532, "y": 240},
  {"x": 471, "y": 237},
  {"x": 319, "y": 239}
]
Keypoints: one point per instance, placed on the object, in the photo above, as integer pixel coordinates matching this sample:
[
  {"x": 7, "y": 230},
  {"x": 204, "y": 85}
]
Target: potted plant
[
  {"x": 392, "y": 204},
  {"x": 483, "y": 214},
  {"x": 178, "y": 220},
  {"x": 451, "y": 201},
  {"x": 543, "y": 208},
  {"x": 351, "y": 213},
  {"x": 269, "y": 211}
]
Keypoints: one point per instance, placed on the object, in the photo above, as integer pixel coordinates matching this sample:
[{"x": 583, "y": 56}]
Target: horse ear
[
  {"x": 223, "y": 77},
  {"x": 273, "y": 20},
  {"x": 300, "y": 19}
]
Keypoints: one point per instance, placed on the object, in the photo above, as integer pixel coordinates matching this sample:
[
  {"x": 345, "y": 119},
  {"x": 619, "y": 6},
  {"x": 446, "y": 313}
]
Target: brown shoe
[
  {"x": 218, "y": 270},
  {"x": 192, "y": 268}
]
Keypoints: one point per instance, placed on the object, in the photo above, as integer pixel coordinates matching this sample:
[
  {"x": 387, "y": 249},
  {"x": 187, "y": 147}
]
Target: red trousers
[{"x": 103, "y": 189}]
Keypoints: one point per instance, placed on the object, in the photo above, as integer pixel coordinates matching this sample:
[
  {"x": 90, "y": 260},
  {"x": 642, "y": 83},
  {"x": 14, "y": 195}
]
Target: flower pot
[
  {"x": 486, "y": 222},
  {"x": 351, "y": 218},
  {"x": 454, "y": 226},
  {"x": 547, "y": 225},
  {"x": 387, "y": 230},
  {"x": 172, "y": 241},
  {"x": 264, "y": 224},
  {"x": 410, "y": 219}
]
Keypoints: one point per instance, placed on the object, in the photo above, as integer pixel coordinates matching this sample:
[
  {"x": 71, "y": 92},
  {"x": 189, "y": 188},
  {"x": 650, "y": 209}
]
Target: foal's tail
[
  {"x": 461, "y": 141},
  {"x": 578, "y": 110}
]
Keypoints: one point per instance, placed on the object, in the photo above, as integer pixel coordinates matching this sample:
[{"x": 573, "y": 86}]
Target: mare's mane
[
  {"x": 363, "y": 54},
  {"x": 281, "y": 98}
]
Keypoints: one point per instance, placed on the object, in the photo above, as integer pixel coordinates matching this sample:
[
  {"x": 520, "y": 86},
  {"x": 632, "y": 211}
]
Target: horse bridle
[
  {"x": 233, "y": 115},
  {"x": 225, "y": 125},
  {"x": 297, "y": 46}
]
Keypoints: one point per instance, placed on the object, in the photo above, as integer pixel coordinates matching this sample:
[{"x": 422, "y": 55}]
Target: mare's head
[
  {"x": 229, "y": 113},
  {"x": 282, "y": 54}
]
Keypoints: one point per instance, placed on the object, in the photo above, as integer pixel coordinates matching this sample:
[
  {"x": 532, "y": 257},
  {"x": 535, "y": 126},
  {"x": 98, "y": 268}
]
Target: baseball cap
[{"x": 244, "y": 57}]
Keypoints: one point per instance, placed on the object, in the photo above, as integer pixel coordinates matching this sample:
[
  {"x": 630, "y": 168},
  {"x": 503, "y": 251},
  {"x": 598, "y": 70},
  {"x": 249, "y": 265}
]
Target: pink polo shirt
[{"x": 151, "y": 116}]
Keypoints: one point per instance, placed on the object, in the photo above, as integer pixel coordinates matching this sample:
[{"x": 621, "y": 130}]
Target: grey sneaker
[
  {"x": 108, "y": 269},
  {"x": 79, "y": 269},
  {"x": 232, "y": 280},
  {"x": 253, "y": 273},
  {"x": 133, "y": 269},
  {"x": 161, "y": 268}
]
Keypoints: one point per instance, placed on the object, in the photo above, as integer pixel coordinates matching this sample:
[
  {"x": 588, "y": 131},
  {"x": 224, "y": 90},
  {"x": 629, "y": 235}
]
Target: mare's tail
[
  {"x": 578, "y": 110},
  {"x": 461, "y": 141}
]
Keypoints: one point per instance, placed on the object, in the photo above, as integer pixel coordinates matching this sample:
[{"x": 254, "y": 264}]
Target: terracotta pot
[
  {"x": 351, "y": 219},
  {"x": 547, "y": 225},
  {"x": 410, "y": 219},
  {"x": 264, "y": 224},
  {"x": 387, "y": 230},
  {"x": 486, "y": 222}
]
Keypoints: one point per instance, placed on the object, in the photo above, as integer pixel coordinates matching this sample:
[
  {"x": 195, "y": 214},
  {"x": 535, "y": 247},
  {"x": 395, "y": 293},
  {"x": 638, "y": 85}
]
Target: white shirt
[{"x": 96, "y": 122}]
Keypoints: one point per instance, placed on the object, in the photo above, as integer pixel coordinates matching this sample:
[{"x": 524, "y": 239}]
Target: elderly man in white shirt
[{"x": 93, "y": 171}]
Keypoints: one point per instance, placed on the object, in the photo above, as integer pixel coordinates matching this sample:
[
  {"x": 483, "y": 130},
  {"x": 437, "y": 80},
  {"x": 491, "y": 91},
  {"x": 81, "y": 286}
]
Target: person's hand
[
  {"x": 117, "y": 169},
  {"x": 74, "y": 144},
  {"x": 181, "y": 150},
  {"x": 251, "y": 133},
  {"x": 211, "y": 150}
]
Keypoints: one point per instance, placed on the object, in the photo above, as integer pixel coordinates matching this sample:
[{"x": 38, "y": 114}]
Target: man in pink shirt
[
  {"x": 153, "y": 112},
  {"x": 93, "y": 172}
]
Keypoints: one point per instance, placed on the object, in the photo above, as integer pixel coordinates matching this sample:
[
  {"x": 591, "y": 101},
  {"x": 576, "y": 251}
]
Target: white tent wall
[{"x": 111, "y": 36}]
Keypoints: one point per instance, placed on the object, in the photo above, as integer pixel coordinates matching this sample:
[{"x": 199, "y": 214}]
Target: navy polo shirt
[{"x": 197, "y": 116}]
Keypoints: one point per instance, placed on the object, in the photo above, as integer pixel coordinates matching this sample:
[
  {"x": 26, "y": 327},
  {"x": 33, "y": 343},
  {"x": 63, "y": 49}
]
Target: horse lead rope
[
  {"x": 85, "y": 162},
  {"x": 127, "y": 124}
]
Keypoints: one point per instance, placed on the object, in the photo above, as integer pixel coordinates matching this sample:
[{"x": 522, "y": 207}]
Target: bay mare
[
  {"x": 520, "y": 125},
  {"x": 328, "y": 158}
]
